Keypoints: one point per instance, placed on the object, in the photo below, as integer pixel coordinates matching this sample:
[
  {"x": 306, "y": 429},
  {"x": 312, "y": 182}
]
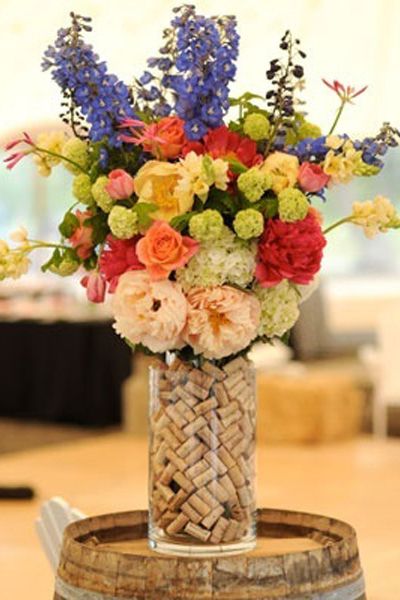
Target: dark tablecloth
[{"x": 64, "y": 372}]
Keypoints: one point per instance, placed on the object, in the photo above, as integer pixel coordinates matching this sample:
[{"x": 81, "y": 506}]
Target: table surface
[{"x": 356, "y": 481}]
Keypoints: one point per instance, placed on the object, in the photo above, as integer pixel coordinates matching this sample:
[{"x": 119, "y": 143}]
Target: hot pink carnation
[
  {"x": 81, "y": 239},
  {"x": 290, "y": 251},
  {"x": 152, "y": 313},
  {"x": 163, "y": 249},
  {"x": 118, "y": 257},
  {"x": 311, "y": 177},
  {"x": 120, "y": 184},
  {"x": 221, "y": 320}
]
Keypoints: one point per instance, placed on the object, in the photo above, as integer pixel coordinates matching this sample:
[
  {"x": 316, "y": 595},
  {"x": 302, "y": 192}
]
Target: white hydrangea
[
  {"x": 279, "y": 308},
  {"x": 227, "y": 260}
]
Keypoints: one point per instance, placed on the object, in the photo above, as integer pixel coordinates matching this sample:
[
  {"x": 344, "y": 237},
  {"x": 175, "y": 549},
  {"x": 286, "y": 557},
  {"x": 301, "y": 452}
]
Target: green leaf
[
  {"x": 55, "y": 260},
  {"x": 270, "y": 208},
  {"x": 223, "y": 202},
  {"x": 99, "y": 226},
  {"x": 180, "y": 222},
  {"x": 143, "y": 211},
  {"x": 68, "y": 225},
  {"x": 237, "y": 167}
]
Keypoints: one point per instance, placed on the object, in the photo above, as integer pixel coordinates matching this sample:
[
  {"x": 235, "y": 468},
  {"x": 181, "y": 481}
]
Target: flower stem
[
  {"x": 72, "y": 162},
  {"x": 40, "y": 244},
  {"x": 338, "y": 115},
  {"x": 334, "y": 225}
]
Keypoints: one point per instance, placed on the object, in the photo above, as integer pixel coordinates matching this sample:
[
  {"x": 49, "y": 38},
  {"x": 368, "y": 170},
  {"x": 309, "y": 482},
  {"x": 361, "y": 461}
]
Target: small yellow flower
[
  {"x": 54, "y": 142},
  {"x": 283, "y": 168},
  {"x": 374, "y": 216},
  {"x": 334, "y": 142},
  {"x": 198, "y": 173},
  {"x": 157, "y": 183},
  {"x": 20, "y": 235},
  {"x": 341, "y": 167}
]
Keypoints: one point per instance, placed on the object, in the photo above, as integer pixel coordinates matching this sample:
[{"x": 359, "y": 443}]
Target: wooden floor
[{"x": 357, "y": 481}]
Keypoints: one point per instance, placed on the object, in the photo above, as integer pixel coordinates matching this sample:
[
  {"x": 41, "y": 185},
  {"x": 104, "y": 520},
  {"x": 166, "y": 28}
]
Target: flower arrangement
[{"x": 206, "y": 232}]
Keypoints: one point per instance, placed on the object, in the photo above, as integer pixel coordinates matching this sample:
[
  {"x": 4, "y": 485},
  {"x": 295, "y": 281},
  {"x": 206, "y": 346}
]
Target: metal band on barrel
[{"x": 352, "y": 591}]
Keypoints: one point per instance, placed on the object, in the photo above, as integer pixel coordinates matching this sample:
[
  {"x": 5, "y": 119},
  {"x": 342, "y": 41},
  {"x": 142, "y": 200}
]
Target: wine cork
[
  {"x": 214, "y": 423},
  {"x": 204, "y": 477},
  {"x": 215, "y": 462},
  {"x": 197, "y": 469},
  {"x": 178, "y": 433},
  {"x": 232, "y": 418},
  {"x": 209, "y": 437},
  {"x": 246, "y": 426},
  {"x": 170, "y": 439},
  {"x": 201, "y": 379},
  {"x": 238, "y": 389},
  {"x": 187, "y": 447},
  {"x": 205, "y": 406},
  {"x": 240, "y": 448},
  {"x": 189, "y": 399},
  {"x": 232, "y": 431},
  {"x": 183, "y": 481},
  {"x": 180, "y": 497},
  {"x": 174, "y": 458},
  {"x": 164, "y": 385},
  {"x": 196, "y": 454},
  {"x": 176, "y": 416},
  {"x": 193, "y": 427},
  {"x": 232, "y": 380},
  {"x": 214, "y": 371},
  {"x": 196, "y": 390},
  {"x": 190, "y": 512},
  {"x": 213, "y": 516},
  {"x": 227, "y": 410},
  {"x": 231, "y": 531},
  {"x": 221, "y": 395},
  {"x": 198, "y": 504},
  {"x": 208, "y": 498},
  {"x": 162, "y": 421},
  {"x": 219, "y": 491},
  {"x": 160, "y": 454},
  {"x": 236, "y": 476},
  {"x": 235, "y": 364},
  {"x": 225, "y": 456},
  {"x": 219, "y": 529},
  {"x": 234, "y": 441},
  {"x": 197, "y": 532},
  {"x": 178, "y": 524},
  {"x": 244, "y": 496},
  {"x": 226, "y": 482},
  {"x": 185, "y": 411},
  {"x": 165, "y": 492},
  {"x": 166, "y": 519},
  {"x": 167, "y": 473}
]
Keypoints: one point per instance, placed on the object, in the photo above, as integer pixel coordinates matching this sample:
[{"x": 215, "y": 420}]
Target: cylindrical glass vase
[{"x": 202, "y": 447}]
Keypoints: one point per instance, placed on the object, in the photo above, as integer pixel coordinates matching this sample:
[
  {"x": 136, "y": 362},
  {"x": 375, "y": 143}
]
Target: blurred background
[{"x": 65, "y": 376}]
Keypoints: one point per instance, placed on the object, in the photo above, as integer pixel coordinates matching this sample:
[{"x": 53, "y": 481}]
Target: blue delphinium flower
[
  {"x": 99, "y": 96},
  {"x": 310, "y": 149},
  {"x": 197, "y": 64}
]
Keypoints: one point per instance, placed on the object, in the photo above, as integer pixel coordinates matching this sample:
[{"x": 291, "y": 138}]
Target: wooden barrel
[{"x": 298, "y": 556}]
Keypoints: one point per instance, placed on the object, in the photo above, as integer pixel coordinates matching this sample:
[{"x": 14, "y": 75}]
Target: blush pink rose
[
  {"x": 312, "y": 177},
  {"x": 163, "y": 249},
  {"x": 95, "y": 287},
  {"x": 152, "y": 313},
  {"x": 81, "y": 239},
  {"x": 120, "y": 185},
  {"x": 118, "y": 257},
  {"x": 221, "y": 320}
]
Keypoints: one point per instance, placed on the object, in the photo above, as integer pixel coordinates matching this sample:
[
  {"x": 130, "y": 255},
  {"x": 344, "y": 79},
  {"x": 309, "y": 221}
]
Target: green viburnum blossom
[
  {"x": 308, "y": 130},
  {"x": 292, "y": 205},
  {"x": 206, "y": 226},
  {"x": 76, "y": 150},
  {"x": 248, "y": 223},
  {"x": 362, "y": 169},
  {"x": 82, "y": 188},
  {"x": 253, "y": 183},
  {"x": 66, "y": 267},
  {"x": 123, "y": 222},
  {"x": 226, "y": 260},
  {"x": 279, "y": 308},
  {"x": 257, "y": 126},
  {"x": 100, "y": 194}
]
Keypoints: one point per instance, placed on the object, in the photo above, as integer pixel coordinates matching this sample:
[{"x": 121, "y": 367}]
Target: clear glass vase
[{"x": 202, "y": 451}]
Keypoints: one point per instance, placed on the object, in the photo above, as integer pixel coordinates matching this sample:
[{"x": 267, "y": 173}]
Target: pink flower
[
  {"x": 95, "y": 287},
  {"x": 15, "y": 157},
  {"x": 81, "y": 239},
  {"x": 120, "y": 184},
  {"x": 163, "y": 249},
  {"x": 118, "y": 257},
  {"x": 312, "y": 177},
  {"x": 345, "y": 93},
  {"x": 221, "y": 320},
  {"x": 152, "y": 313},
  {"x": 164, "y": 139}
]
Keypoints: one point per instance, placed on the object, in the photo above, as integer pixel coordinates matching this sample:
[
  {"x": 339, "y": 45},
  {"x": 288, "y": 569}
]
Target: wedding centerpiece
[{"x": 206, "y": 232}]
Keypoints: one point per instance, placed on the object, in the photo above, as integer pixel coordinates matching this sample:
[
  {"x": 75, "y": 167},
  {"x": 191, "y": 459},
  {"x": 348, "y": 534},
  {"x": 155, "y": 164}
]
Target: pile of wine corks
[{"x": 202, "y": 451}]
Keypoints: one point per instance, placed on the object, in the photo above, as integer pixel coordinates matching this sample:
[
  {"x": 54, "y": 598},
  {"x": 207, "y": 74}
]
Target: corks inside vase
[{"x": 202, "y": 453}]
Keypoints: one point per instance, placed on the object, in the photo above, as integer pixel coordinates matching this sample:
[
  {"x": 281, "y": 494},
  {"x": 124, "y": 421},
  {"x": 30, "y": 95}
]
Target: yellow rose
[
  {"x": 283, "y": 168},
  {"x": 157, "y": 183}
]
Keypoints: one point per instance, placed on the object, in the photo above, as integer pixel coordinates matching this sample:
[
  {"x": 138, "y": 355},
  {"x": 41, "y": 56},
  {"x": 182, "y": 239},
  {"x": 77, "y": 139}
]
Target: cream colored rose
[
  {"x": 283, "y": 168},
  {"x": 221, "y": 320},
  {"x": 152, "y": 313},
  {"x": 157, "y": 183}
]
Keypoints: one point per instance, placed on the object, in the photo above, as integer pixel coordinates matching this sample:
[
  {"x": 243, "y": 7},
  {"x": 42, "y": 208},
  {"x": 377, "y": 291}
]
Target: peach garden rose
[{"x": 221, "y": 320}]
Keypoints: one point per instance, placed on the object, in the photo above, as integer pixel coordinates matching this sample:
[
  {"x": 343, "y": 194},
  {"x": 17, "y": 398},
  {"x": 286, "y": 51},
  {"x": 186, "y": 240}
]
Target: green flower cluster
[
  {"x": 100, "y": 194},
  {"x": 308, "y": 130},
  {"x": 66, "y": 267},
  {"x": 225, "y": 260},
  {"x": 76, "y": 150},
  {"x": 292, "y": 205},
  {"x": 82, "y": 188},
  {"x": 364, "y": 170},
  {"x": 253, "y": 183},
  {"x": 279, "y": 309},
  {"x": 123, "y": 222},
  {"x": 248, "y": 223},
  {"x": 206, "y": 226},
  {"x": 257, "y": 126}
]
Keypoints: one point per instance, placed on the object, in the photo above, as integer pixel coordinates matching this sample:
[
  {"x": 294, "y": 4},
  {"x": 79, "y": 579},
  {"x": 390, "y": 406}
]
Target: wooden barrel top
[{"x": 298, "y": 556}]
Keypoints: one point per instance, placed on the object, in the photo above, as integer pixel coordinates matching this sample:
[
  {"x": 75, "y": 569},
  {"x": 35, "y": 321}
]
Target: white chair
[{"x": 383, "y": 363}]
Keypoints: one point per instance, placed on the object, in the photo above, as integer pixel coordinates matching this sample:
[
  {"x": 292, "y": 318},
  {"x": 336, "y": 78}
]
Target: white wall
[{"x": 356, "y": 41}]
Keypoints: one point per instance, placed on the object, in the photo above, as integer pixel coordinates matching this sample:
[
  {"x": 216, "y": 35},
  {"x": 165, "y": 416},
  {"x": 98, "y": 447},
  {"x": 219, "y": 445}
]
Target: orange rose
[
  {"x": 168, "y": 138},
  {"x": 164, "y": 249}
]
